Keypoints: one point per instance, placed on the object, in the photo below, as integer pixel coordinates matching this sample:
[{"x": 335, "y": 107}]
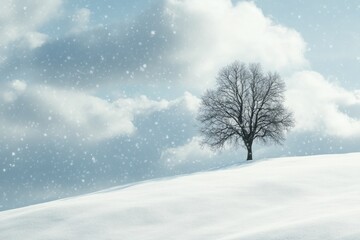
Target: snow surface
[{"x": 287, "y": 198}]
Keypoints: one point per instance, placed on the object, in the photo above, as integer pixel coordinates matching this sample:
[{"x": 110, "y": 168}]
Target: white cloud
[
  {"x": 19, "y": 85},
  {"x": 33, "y": 111},
  {"x": 81, "y": 20},
  {"x": 35, "y": 39},
  {"x": 13, "y": 90},
  {"x": 91, "y": 117},
  {"x": 140, "y": 105},
  {"x": 318, "y": 105},
  {"x": 191, "y": 152},
  {"x": 20, "y": 21},
  {"x": 213, "y": 34},
  {"x": 190, "y": 102},
  {"x": 52, "y": 112}
]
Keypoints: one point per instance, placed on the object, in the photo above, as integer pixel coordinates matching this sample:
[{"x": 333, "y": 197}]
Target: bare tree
[{"x": 247, "y": 105}]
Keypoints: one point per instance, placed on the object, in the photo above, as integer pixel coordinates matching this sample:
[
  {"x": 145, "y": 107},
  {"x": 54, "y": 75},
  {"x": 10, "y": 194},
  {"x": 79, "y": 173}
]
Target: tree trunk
[{"x": 249, "y": 152}]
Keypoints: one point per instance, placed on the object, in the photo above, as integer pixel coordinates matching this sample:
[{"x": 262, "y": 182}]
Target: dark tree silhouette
[{"x": 245, "y": 106}]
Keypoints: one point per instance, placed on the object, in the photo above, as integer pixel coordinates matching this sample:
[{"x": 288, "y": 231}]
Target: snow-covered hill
[{"x": 289, "y": 198}]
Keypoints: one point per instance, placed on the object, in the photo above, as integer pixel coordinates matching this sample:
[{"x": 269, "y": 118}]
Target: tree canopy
[{"x": 246, "y": 105}]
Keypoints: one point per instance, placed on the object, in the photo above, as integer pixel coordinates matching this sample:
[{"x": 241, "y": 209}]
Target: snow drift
[{"x": 287, "y": 198}]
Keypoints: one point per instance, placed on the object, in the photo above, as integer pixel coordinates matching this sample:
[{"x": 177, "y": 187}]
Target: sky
[{"x": 95, "y": 94}]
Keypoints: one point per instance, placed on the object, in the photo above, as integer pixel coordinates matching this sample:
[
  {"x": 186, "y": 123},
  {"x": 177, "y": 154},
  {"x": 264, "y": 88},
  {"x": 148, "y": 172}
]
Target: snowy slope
[{"x": 290, "y": 198}]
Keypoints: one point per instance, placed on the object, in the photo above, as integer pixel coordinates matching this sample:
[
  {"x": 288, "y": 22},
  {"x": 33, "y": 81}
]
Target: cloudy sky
[{"x": 94, "y": 94}]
